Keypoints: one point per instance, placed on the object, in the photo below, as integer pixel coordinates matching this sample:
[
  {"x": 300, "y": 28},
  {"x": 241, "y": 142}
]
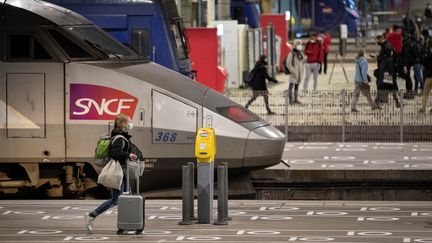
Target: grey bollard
[
  {"x": 205, "y": 182},
  {"x": 192, "y": 191},
  {"x": 186, "y": 191},
  {"x": 225, "y": 165},
  {"x": 221, "y": 219}
]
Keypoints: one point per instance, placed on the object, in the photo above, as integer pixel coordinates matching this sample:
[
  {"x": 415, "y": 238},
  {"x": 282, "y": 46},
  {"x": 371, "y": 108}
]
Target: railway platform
[
  {"x": 252, "y": 221},
  {"x": 349, "y": 171}
]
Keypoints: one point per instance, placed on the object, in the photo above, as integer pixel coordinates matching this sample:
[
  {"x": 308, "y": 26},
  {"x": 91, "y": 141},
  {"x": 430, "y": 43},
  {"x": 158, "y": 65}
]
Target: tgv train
[{"x": 62, "y": 82}]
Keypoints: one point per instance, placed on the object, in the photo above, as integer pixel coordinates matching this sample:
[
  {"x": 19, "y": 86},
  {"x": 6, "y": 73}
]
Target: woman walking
[
  {"x": 361, "y": 81},
  {"x": 258, "y": 83}
]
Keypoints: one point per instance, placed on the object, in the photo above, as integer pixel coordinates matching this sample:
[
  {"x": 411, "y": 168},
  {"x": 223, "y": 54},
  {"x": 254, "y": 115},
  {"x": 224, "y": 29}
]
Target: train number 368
[{"x": 166, "y": 137}]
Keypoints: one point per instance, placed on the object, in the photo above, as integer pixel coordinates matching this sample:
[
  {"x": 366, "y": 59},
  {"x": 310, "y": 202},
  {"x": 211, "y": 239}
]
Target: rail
[{"x": 326, "y": 116}]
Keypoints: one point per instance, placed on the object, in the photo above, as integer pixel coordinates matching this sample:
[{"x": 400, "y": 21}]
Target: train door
[
  {"x": 174, "y": 126},
  {"x": 31, "y": 102}
]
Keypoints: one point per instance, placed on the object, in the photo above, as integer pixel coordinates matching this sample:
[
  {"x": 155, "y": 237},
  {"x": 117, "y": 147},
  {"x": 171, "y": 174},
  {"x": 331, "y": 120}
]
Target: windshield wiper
[{"x": 97, "y": 47}]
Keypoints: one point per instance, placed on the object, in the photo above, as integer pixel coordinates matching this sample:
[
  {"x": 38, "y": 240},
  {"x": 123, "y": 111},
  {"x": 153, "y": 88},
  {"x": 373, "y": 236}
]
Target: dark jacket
[
  {"x": 259, "y": 78},
  {"x": 386, "y": 52},
  {"x": 410, "y": 52},
  {"x": 120, "y": 149},
  {"x": 427, "y": 64},
  {"x": 408, "y": 26}
]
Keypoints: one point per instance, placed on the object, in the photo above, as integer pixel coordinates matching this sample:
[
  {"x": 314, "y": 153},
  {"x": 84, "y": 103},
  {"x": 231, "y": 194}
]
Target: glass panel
[
  {"x": 39, "y": 52},
  {"x": 102, "y": 42},
  {"x": 71, "y": 49},
  {"x": 20, "y": 46}
]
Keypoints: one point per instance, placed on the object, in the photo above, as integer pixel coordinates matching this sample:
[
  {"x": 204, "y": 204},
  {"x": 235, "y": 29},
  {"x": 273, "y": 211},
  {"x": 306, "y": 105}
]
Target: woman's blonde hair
[
  {"x": 361, "y": 53},
  {"x": 120, "y": 119}
]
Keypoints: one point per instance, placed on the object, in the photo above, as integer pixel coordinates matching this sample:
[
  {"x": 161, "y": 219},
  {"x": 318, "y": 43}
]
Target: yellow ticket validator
[{"x": 205, "y": 145}]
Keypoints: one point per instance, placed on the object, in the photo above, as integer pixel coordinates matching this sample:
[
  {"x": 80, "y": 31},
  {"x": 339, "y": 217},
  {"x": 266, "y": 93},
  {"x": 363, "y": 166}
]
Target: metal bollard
[
  {"x": 221, "y": 220},
  {"x": 343, "y": 94},
  {"x": 192, "y": 191},
  {"x": 186, "y": 191},
  {"x": 286, "y": 114},
  {"x": 401, "y": 113},
  {"x": 226, "y": 194}
]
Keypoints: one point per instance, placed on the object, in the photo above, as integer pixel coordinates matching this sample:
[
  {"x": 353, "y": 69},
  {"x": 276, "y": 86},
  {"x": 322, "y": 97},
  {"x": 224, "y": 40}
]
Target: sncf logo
[{"x": 94, "y": 102}]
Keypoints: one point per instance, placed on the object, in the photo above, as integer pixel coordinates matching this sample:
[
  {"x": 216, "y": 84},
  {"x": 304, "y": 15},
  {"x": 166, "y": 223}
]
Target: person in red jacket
[
  {"x": 395, "y": 39},
  {"x": 326, "y": 46},
  {"x": 314, "y": 57}
]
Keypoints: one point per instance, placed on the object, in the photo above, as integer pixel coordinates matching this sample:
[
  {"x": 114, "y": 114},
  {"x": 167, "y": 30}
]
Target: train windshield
[
  {"x": 102, "y": 42},
  {"x": 237, "y": 114}
]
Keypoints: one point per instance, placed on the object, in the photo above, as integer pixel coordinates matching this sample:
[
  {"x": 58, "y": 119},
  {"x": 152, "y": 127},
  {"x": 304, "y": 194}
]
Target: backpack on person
[
  {"x": 287, "y": 71},
  {"x": 250, "y": 77},
  {"x": 102, "y": 149}
]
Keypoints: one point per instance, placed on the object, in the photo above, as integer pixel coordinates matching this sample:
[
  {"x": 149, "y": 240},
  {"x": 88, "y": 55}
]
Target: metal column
[{"x": 205, "y": 173}]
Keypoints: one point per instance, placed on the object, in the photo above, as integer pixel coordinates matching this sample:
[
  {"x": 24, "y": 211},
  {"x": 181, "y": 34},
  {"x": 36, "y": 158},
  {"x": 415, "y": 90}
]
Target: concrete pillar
[
  {"x": 210, "y": 13},
  {"x": 266, "y": 6}
]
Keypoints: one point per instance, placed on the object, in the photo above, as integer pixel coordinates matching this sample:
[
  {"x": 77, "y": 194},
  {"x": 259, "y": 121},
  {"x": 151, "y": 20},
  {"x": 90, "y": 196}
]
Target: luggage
[{"x": 131, "y": 210}]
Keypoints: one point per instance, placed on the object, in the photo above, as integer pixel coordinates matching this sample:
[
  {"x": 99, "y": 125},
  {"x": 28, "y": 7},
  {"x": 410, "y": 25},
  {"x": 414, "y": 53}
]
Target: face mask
[
  {"x": 130, "y": 126},
  {"x": 299, "y": 48}
]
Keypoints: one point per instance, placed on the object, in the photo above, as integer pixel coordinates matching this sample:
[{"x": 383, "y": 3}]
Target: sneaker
[
  {"x": 89, "y": 222},
  {"x": 270, "y": 113},
  {"x": 297, "y": 102}
]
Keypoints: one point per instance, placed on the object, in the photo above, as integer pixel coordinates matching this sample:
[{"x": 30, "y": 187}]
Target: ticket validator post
[{"x": 205, "y": 151}]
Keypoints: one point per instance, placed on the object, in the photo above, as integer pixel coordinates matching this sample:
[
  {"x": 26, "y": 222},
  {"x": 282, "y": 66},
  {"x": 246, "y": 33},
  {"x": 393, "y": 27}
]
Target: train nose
[{"x": 265, "y": 146}]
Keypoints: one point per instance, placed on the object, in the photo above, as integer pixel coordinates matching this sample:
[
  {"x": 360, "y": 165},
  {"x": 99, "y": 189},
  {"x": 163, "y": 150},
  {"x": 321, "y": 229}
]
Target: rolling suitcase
[{"x": 131, "y": 210}]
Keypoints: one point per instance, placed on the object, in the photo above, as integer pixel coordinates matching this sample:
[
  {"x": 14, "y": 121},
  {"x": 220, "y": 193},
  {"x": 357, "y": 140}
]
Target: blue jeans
[
  {"x": 113, "y": 200},
  {"x": 418, "y": 76}
]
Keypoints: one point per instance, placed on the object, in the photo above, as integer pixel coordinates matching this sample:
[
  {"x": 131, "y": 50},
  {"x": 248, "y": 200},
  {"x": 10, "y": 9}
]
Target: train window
[
  {"x": 39, "y": 51},
  {"x": 237, "y": 114},
  {"x": 26, "y": 47},
  {"x": 71, "y": 49},
  {"x": 102, "y": 42},
  {"x": 20, "y": 46},
  {"x": 141, "y": 42}
]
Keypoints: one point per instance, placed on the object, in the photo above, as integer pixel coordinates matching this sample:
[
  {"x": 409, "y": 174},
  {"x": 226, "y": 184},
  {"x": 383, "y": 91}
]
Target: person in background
[
  {"x": 258, "y": 83},
  {"x": 296, "y": 64},
  {"x": 395, "y": 39},
  {"x": 425, "y": 47},
  {"x": 427, "y": 88},
  {"x": 121, "y": 151},
  {"x": 326, "y": 46},
  {"x": 426, "y": 61},
  {"x": 411, "y": 58},
  {"x": 385, "y": 66},
  {"x": 362, "y": 83},
  {"x": 314, "y": 57},
  {"x": 428, "y": 11},
  {"x": 410, "y": 27}
]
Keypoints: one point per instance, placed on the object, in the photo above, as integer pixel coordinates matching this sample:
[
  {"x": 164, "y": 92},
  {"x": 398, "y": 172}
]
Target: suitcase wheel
[
  {"x": 138, "y": 232},
  {"x": 119, "y": 231}
]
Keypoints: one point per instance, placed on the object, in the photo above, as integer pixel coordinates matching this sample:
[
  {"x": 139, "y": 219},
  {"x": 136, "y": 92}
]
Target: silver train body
[{"x": 63, "y": 80}]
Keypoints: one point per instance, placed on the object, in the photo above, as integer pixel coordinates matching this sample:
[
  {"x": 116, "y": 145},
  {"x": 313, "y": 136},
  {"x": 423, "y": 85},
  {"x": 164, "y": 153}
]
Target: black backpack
[{"x": 250, "y": 76}]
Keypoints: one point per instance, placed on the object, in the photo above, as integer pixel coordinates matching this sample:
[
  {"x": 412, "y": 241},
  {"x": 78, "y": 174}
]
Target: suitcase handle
[{"x": 129, "y": 191}]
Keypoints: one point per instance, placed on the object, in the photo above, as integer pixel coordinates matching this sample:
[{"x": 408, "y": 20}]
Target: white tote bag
[{"x": 111, "y": 175}]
